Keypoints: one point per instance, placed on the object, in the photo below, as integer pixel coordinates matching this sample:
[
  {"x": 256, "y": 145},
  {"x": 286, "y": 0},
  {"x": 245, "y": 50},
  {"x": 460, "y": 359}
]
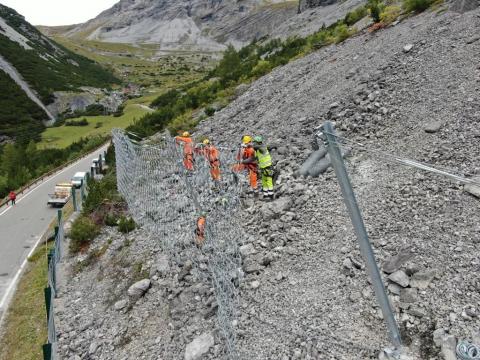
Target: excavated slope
[{"x": 306, "y": 294}]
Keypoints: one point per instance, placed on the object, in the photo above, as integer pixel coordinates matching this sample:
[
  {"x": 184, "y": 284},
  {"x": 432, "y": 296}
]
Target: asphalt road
[{"x": 22, "y": 226}]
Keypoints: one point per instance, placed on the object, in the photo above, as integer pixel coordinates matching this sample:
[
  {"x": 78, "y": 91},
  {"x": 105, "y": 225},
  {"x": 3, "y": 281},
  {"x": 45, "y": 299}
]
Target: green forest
[
  {"x": 20, "y": 117},
  {"x": 22, "y": 162}
]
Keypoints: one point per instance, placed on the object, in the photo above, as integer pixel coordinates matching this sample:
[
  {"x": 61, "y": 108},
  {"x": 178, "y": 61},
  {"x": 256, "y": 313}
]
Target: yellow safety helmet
[
  {"x": 186, "y": 134},
  {"x": 247, "y": 139},
  {"x": 206, "y": 142}
]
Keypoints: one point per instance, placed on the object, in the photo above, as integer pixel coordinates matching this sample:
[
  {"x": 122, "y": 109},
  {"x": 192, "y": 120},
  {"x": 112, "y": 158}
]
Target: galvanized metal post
[
  {"x": 92, "y": 172},
  {"x": 82, "y": 189},
  {"x": 59, "y": 217},
  {"x": 74, "y": 199},
  {"x": 361, "y": 233},
  {"x": 100, "y": 163}
]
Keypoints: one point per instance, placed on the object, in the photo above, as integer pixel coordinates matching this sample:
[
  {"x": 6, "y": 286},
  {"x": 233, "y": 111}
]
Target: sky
[{"x": 58, "y": 12}]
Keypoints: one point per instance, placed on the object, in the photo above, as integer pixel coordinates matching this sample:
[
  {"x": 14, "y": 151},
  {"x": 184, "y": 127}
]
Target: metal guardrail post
[
  {"x": 361, "y": 233},
  {"x": 74, "y": 199},
  {"x": 82, "y": 189},
  {"x": 48, "y": 298},
  {"x": 92, "y": 172},
  {"x": 100, "y": 165},
  {"x": 47, "y": 352},
  {"x": 59, "y": 217}
]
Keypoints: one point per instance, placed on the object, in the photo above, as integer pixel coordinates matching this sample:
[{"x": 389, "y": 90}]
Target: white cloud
[{"x": 58, "y": 12}]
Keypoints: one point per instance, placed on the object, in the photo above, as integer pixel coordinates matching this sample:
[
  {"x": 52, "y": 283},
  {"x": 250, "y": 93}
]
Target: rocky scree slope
[
  {"x": 203, "y": 25},
  {"x": 306, "y": 294}
]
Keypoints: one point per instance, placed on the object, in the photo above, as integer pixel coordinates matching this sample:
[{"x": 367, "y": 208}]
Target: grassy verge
[
  {"x": 25, "y": 327},
  {"x": 25, "y": 324}
]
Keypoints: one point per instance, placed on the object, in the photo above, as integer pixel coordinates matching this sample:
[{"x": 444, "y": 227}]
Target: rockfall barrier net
[{"x": 166, "y": 199}]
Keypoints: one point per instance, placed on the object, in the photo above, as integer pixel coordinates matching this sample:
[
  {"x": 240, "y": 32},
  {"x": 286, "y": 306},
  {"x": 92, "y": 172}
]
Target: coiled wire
[{"x": 468, "y": 351}]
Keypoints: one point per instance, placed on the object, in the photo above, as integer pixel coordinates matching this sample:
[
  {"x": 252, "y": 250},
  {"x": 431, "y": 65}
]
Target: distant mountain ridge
[{"x": 187, "y": 24}]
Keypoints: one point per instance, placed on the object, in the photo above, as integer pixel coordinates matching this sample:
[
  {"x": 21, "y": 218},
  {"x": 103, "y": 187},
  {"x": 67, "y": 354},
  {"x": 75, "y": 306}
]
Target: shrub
[
  {"x": 126, "y": 225},
  {"x": 417, "y": 5},
  {"x": 100, "y": 192},
  {"x": 356, "y": 15},
  {"x": 209, "y": 111},
  {"x": 83, "y": 122},
  {"x": 263, "y": 67},
  {"x": 342, "y": 33},
  {"x": 111, "y": 219},
  {"x": 390, "y": 14},
  {"x": 98, "y": 125},
  {"x": 83, "y": 231},
  {"x": 375, "y": 7}
]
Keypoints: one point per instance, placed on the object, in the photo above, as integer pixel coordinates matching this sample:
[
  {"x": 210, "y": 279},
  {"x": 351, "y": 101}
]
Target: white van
[{"x": 79, "y": 177}]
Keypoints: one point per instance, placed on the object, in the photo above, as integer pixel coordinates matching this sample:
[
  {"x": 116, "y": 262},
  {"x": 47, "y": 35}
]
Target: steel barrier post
[
  {"x": 48, "y": 298},
  {"x": 47, "y": 352},
  {"x": 74, "y": 199},
  {"x": 361, "y": 233},
  {"x": 82, "y": 189},
  {"x": 59, "y": 217},
  {"x": 100, "y": 165}
]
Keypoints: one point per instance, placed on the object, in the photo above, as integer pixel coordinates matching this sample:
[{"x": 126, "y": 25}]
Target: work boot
[{"x": 271, "y": 194}]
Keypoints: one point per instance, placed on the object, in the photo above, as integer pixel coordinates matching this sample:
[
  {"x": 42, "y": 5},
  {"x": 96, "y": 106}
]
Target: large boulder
[
  {"x": 137, "y": 290},
  {"x": 199, "y": 346}
]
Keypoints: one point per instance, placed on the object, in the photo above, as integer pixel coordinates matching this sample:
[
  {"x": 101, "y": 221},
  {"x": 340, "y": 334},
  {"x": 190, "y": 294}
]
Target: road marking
[{"x": 43, "y": 183}]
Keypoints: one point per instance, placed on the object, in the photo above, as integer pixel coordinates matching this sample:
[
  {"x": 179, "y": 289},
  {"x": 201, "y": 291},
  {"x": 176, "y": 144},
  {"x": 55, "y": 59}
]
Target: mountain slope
[
  {"x": 307, "y": 295},
  {"x": 40, "y": 67},
  {"x": 187, "y": 24}
]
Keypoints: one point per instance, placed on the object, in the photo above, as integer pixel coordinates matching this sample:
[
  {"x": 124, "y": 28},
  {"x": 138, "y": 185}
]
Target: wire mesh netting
[{"x": 168, "y": 200}]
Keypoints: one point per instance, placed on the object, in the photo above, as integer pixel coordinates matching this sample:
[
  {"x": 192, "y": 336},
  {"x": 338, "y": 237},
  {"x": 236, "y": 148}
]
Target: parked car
[{"x": 80, "y": 177}]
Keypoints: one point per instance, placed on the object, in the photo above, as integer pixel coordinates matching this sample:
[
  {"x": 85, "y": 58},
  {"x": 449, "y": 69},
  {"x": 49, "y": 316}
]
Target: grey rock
[
  {"x": 399, "y": 277},
  {"x": 394, "y": 288},
  {"x": 449, "y": 344},
  {"x": 433, "y": 126},
  {"x": 119, "y": 305},
  {"x": 93, "y": 348},
  {"x": 407, "y": 48},
  {"x": 473, "y": 188},
  {"x": 395, "y": 262},
  {"x": 422, "y": 279},
  {"x": 281, "y": 205},
  {"x": 247, "y": 250},
  {"x": 255, "y": 284},
  {"x": 199, "y": 346},
  {"x": 162, "y": 265},
  {"x": 408, "y": 295},
  {"x": 251, "y": 266},
  {"x": 138, "y": 289},
  {"x": 473, "y": 39},
  {"x": 187, "y": 267},
  {"x": 438, "y": 335}
]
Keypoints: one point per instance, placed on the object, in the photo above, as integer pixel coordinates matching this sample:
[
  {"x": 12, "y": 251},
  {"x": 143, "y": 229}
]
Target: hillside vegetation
[
  {"x": 20, "y": 117},
  {"x": 48, "y": 66}
]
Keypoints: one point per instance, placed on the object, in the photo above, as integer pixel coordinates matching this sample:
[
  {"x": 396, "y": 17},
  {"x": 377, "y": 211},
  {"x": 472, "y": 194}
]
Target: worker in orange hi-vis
[
  {"x": 200, "y": 230},
  {"x": 213, "y": 157},
  {"x": 248, "y": 161},
  {"x": 187, "y": 142}
]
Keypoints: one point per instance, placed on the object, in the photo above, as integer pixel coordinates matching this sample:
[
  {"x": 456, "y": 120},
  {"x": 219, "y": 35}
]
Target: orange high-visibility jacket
[
  {"x": 212, "y": 154},
  {"x": 187, "y": 144}
]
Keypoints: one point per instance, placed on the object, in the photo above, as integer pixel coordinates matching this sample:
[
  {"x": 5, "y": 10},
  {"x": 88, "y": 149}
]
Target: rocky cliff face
[{"x": 187, "y": 24}]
